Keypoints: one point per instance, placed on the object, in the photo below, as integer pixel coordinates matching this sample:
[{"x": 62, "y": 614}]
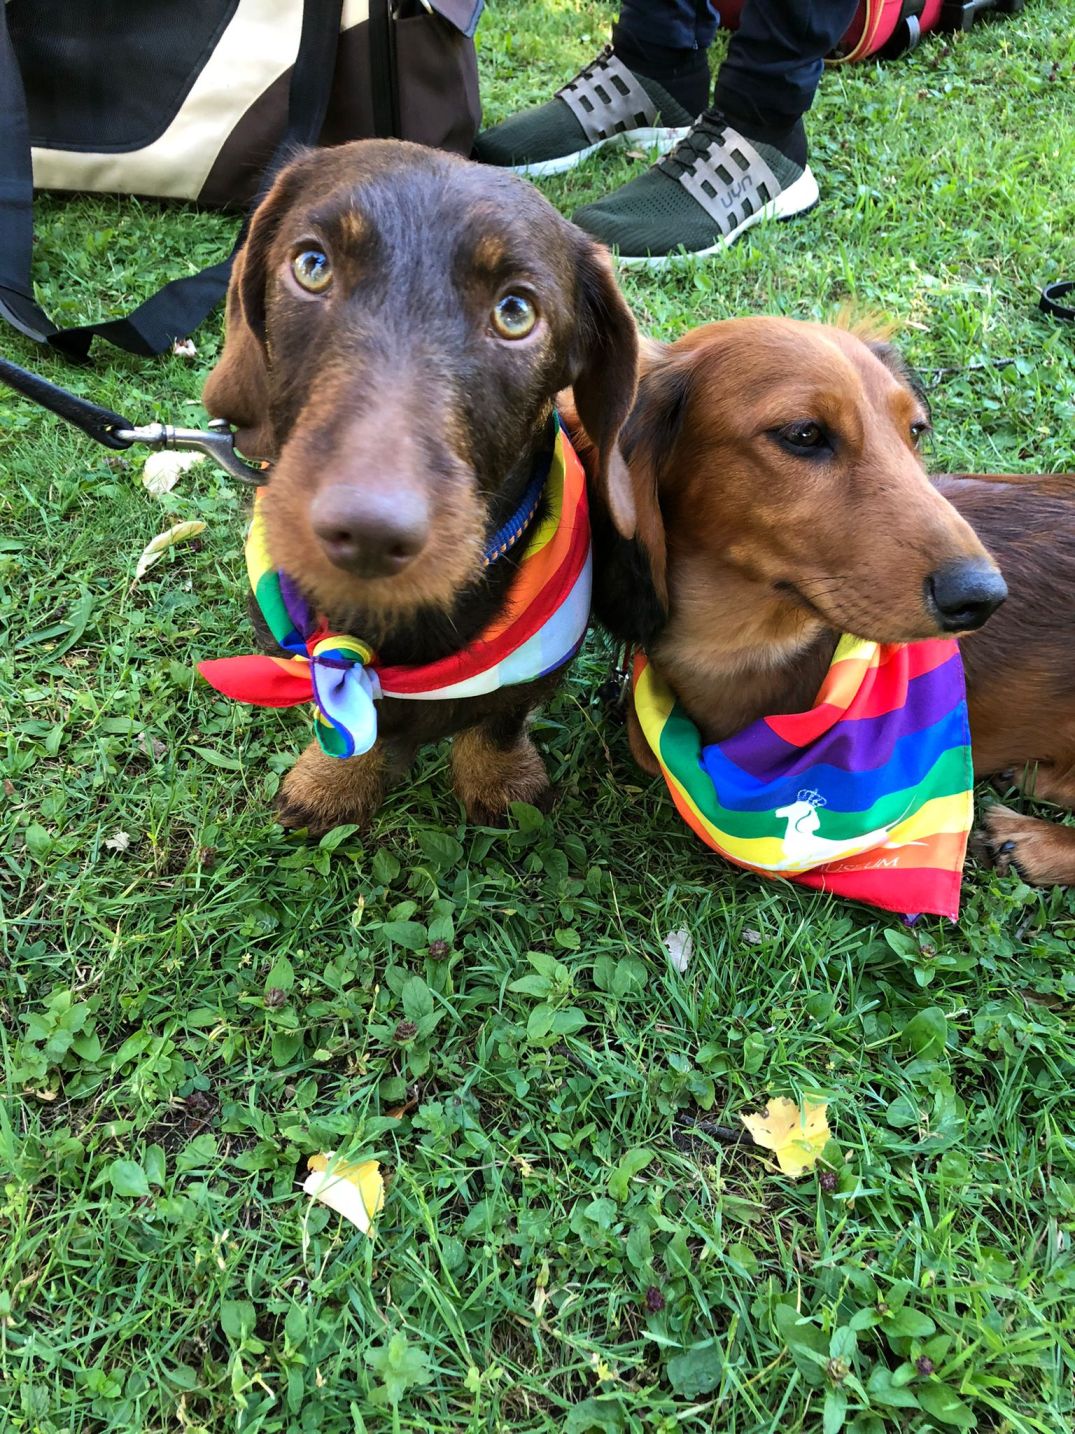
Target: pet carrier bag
[{"x": 201, "y": 100}]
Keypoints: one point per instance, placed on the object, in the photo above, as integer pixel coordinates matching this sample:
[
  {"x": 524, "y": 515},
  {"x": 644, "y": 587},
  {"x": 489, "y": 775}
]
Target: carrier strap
[
  {"x": 1050, "y": 304},
  {"x": 178, "y": 308},
  {"x": 384, "y": 72}
]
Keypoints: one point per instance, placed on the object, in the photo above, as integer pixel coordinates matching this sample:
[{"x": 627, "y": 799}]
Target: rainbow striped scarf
[
  {"x": 540, "y": 626},
  {"x": 868, "y": 795}
]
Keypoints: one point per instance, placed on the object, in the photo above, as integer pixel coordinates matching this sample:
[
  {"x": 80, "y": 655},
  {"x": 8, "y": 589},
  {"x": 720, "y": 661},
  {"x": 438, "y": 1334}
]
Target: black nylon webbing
[{"x": 384, "y": 76}]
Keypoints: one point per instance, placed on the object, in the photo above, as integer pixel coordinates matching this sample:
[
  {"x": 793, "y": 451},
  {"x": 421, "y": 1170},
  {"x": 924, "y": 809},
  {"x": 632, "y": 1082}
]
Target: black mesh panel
[{"x": 110, "y": 75}]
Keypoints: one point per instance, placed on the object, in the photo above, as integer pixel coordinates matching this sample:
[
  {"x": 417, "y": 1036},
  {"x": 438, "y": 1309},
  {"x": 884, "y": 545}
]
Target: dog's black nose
[
  {"x": 370, "y": 534},
  {"x": 963, "y": 594}
]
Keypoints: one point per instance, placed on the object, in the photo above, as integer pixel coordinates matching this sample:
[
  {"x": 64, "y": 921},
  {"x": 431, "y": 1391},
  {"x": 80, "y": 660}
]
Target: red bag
[
  {"x": 892, "y": 27},
  {"x": 887, "y": 27}
]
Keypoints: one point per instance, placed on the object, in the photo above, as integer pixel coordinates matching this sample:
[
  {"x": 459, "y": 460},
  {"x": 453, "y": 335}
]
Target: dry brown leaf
[
  {"x": 151, "y": 746},
  {"x": 399, "y": 1111},
  {"x": 796, "y": 1135}
]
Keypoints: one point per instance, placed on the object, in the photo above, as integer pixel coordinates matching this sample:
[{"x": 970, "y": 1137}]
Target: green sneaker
[
  {"x": 605, "y": 104},
  {"x": 714, "y": 186}
]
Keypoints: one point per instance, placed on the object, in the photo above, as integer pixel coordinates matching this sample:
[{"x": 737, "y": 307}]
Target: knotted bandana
[
  {"x": 540, "y": 627},
  {"x": 868, "y": 795}
]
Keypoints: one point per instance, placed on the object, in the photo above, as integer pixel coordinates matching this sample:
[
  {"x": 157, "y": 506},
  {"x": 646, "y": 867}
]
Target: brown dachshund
[
  {"x": 398, "y": 325},
  {"x": 781, "y": 501}
]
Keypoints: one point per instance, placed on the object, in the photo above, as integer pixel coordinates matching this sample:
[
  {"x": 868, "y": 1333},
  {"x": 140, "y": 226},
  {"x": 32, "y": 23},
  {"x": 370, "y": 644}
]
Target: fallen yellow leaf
[
  {"x": 162, "y": 471},
  {"x": 354, "y": 1191},
  {"x": 795, "y": 1135},
  {"x": 158, "y": 546}
]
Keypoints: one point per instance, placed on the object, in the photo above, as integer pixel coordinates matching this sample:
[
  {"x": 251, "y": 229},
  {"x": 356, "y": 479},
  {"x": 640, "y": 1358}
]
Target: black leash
[
  {"x": 115, "y": 431},
  {"x": 100, "y": 423}
]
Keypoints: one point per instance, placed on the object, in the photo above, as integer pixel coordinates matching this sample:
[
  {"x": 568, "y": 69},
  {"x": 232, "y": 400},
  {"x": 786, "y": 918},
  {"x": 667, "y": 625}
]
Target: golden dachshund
[{"x": 781, "y": 500}]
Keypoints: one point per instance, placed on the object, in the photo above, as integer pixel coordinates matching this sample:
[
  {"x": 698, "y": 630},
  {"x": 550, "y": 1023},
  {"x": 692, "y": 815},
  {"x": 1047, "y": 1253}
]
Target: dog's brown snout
[
  {"x": 962, "y": 595},
  {"x": 368, "y": 533}
]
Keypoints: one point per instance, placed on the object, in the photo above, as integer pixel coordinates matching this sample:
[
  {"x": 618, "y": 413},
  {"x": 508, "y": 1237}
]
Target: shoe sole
[
  {"x": 661, "y": 138},
  {"x": 798, "y": 198}
]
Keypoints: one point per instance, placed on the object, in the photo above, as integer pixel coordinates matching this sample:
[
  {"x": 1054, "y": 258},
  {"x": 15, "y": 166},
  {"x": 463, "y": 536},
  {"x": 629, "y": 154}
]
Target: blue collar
[{"x": 509, "y": 533}]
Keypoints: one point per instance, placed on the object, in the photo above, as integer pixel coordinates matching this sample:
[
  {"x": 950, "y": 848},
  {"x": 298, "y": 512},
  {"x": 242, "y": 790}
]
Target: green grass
[{"x": 161, "y": 1269}]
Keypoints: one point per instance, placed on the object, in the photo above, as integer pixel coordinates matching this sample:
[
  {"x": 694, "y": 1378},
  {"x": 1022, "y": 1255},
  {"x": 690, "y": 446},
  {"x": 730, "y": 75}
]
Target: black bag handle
[
  {"x": 180, "y": 306},
  {"x": 384, "y": 75}
]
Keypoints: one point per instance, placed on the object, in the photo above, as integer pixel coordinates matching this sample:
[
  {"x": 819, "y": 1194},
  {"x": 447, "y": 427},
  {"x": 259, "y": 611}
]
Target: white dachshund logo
[{"x": 804, "y": 849}]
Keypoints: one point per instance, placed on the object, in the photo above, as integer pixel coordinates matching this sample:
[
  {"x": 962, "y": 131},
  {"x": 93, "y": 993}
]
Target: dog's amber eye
[
  {"x": 918, "y": 430},
  {"x": 804, "y": 435},
  {"x": 312, "y": 270},
  {"x": 514, "y": 317}
]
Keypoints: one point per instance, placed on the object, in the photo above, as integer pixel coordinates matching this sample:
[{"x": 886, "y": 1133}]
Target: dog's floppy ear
[
  {"x": 648, "y": 444},
  {"x": 238, "y": 387},
  {"x": 603, "y": 377},
  {"x": 895, "y": 362}
]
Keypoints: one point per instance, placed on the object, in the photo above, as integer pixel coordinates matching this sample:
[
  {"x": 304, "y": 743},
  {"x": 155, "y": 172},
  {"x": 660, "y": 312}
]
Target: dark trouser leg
[
  {"x": 667, "y": 40},
  {"x": 774, "y": 62},
  {"x": 668, "y": 24}
]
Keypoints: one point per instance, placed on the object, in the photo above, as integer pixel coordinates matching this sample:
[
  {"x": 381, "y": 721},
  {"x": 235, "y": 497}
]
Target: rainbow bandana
[
  {"x": 540, "y": 626},
  {"x": 868, "y": 795}
]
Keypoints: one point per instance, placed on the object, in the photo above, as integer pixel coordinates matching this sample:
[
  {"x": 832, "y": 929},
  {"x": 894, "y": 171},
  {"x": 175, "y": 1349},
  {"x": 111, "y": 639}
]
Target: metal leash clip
[
  {"x": 216, "y": 442},
  {"x": 612, "y": 694}
]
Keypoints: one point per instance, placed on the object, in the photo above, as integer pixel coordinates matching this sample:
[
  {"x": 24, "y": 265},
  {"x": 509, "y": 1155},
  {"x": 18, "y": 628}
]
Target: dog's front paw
[
  {"x": 489, "y": 778},
  {"x": 1041, "y": 852},
  {"x": 295, "y": 813},
  {"x": 495, "y": 811},
  {"x": 322, "y": 792}
]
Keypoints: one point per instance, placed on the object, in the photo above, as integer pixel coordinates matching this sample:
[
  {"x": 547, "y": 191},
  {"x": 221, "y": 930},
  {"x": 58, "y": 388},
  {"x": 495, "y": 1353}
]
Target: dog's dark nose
[
  {"x": 963, "y": 594},
  {"x": 370, "y": 534}
]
